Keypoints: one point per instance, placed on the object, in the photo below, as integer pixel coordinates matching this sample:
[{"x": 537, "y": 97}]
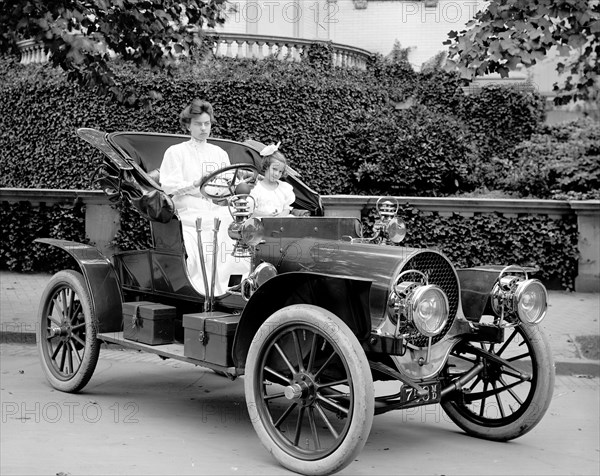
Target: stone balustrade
[
  {"x": 32, "y": 52},
  {"x": 233, "y": 45}
]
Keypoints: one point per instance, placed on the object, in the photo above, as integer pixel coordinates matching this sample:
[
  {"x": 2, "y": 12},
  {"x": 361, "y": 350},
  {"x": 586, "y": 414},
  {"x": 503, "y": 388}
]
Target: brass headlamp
[
  {"x": 389, "y": 226},
  {"x": 515, "y": 296},
  {"x": 416, "y": 304}
]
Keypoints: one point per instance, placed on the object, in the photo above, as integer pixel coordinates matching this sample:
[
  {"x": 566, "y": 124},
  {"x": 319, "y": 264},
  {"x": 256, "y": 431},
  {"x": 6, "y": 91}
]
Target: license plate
[{"x": 409, "y": 394}]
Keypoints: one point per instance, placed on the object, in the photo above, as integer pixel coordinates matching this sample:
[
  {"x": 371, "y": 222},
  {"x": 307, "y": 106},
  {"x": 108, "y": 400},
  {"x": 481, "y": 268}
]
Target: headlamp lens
[
  {"x": 430, "y": 310},
  {"x": 396, "y": 230},
  {"x": 531, "y": 301},
  {"x": 252, "y": 231},
  {"x": 263, "y": 273}
]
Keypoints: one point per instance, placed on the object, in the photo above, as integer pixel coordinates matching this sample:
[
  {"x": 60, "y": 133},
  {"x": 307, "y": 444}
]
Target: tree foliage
[
  {"x": 512, "y": 32},
  {"x": 558, "y": 162},
  {"x": 83, "y": 36}
]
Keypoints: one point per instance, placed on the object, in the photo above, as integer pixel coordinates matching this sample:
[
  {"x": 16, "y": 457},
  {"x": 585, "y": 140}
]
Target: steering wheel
[{"x": 221, "y": 184}]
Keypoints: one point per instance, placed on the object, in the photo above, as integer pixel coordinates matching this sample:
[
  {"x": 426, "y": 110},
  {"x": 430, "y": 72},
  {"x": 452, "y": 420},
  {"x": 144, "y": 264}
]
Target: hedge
[
  {"x": 342, "y": 129},
  {"x": 561, "y": 162},
  {"x": 316, "y": 112},
  {"x": 419, "y": 153}
]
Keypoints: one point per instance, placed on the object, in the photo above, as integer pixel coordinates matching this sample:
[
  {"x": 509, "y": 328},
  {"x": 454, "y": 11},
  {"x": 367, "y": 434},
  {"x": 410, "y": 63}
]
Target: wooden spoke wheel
[
  {"x": 309, "y": 390},
  {"x": 513, "y": 389},
  {"x": 66, "y": 333}
]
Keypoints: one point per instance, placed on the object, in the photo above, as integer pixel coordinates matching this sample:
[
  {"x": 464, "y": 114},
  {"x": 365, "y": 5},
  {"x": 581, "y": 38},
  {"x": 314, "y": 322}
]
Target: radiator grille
[{"x": 441, "y": 273}]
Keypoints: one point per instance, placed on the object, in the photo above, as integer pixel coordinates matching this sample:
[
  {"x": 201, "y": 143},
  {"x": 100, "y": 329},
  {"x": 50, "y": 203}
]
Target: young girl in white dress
[{"x": 273, "y": 197}]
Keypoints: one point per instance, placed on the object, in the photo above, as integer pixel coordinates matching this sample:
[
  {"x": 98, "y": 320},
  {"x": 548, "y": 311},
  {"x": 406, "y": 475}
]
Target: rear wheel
[
  {"x": 309, "y": 390},
  {"x": 67, "y": 330},
  {"x": 511, "y": 393}
]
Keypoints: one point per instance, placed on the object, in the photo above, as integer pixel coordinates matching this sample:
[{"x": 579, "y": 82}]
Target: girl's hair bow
[{"x": 270, "y": 149}]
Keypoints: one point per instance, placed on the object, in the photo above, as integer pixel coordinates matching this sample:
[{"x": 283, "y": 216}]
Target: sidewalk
[{"x": 572, "y": 324}]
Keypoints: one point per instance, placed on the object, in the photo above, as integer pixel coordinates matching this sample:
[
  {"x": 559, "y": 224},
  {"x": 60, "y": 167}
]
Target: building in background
[
  {"x": 422, "y": 26},
  {"x": 374, "y": 25}
]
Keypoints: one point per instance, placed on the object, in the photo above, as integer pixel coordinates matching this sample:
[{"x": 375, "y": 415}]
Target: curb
[
  {"x": 584, "y": 368},
  {"x": 7, "y": 337},
  {"x": 577, "y": 368}
]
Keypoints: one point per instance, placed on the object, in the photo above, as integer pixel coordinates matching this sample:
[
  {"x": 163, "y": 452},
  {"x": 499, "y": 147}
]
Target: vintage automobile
[{"x": 329, "y": 328}]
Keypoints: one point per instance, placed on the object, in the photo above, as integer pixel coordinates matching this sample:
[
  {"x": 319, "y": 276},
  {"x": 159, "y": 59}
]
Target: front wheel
[
  {"x": 309, "y": 390},
  {"x": 512, "y": 390},
  {"x": 66, "y": 332}
]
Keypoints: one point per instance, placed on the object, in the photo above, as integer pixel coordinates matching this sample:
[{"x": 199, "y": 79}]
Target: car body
[{"x": 324, "y": 316}]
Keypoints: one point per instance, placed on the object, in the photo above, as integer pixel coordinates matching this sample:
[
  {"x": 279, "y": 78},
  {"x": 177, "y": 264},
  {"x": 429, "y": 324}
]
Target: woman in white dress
[
  {"x": 273, "y": 197},
  {"x": 183, "y": 168}
]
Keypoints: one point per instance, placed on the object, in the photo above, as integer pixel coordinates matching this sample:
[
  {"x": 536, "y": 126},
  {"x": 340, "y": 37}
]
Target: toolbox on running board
[
  {"x": 209, "y": 336},
  {"x": 148, "y": 322}
]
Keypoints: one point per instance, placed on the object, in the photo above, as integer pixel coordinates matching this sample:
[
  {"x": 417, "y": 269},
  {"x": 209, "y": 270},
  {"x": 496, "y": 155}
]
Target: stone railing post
[
  {"x": 588, "y": 228},
  {"x": 102, "y": 222}
]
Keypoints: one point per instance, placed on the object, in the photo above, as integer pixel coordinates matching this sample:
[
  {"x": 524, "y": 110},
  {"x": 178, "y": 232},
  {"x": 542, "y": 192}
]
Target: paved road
[{"x": 141, "y": 415}]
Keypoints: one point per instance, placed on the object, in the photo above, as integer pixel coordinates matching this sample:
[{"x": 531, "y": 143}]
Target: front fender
[
  {"x": 101, "y": 280},
  {"x": 476, "y": 284},
  {"x": 346, "y": 297}
]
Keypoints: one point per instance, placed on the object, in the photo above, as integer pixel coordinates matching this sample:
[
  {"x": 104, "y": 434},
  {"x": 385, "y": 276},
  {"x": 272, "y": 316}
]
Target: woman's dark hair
[
  {"x": 196, "y": 107},
  {"x": 269, "y": 159}
]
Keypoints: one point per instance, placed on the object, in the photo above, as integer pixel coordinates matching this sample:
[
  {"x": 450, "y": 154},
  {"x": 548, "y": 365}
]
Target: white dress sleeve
[
  {"x": 287, "y": 191},
  {"x": 172, "y": 170}
]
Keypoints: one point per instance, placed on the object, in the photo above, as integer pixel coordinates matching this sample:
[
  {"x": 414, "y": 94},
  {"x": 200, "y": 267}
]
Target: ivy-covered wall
[
  {"x": 22, "y": 223},
  {"x": 547, "y": 244}
]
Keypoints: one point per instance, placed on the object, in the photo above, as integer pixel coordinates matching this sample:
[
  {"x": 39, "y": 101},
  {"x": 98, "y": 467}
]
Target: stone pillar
[
  {"x": 101, "y": 225},
  {"x": 588, "y": 226}
]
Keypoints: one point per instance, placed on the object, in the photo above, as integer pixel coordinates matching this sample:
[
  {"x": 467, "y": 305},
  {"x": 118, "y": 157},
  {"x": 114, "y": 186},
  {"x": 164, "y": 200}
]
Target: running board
[{"x": 165, "y": 351}]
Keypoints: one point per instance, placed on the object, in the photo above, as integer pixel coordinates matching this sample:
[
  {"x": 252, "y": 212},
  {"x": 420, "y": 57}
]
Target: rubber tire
[
  {"x": 538, "y": 404},
  {"x": 72, "y": 384},
  {"x": 364, "y": 400}
]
